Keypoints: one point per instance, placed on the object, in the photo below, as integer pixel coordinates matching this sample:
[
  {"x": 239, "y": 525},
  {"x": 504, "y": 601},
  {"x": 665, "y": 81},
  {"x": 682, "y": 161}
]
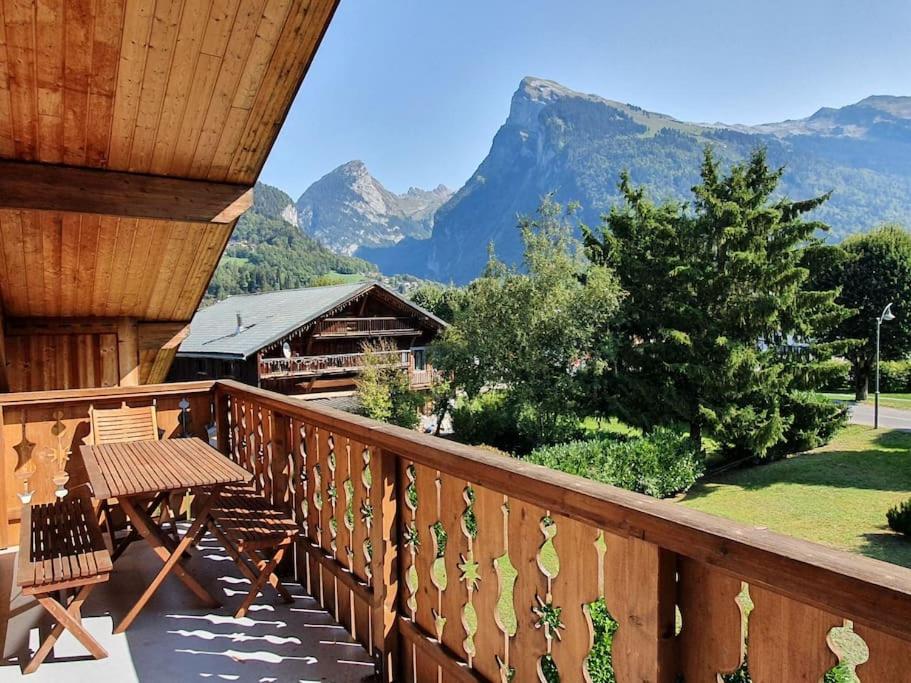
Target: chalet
[{"x": 309, "y": 340}]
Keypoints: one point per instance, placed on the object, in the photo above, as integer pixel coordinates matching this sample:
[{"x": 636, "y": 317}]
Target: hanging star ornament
[
  {"x": 548, "y": 618},
  {"x": 471, "y": 572}
]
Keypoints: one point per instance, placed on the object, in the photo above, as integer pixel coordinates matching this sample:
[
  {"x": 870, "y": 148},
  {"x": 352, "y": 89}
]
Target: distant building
[{"x": 304, "y": 341}]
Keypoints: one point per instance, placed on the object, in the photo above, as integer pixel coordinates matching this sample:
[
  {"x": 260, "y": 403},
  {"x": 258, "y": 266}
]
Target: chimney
[{"x": 240, "y": 325}]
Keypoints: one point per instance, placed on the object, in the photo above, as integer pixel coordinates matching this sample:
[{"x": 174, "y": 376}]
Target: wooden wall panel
[{"x": 67, "y": 361}]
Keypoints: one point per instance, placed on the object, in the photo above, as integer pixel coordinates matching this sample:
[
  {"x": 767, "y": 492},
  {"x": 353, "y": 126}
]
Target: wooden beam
[
  {"x": 80, "y": 190},
  {"x": 4, "y": 377},
  {"x": 128, "y": 352},
  {"x": 166, "y": 353}
]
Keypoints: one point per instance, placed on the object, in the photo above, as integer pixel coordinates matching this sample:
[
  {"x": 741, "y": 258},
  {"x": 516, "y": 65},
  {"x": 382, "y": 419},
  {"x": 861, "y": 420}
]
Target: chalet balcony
[
  {"x": 439, "y": 561},
  {"x": 334, "y": 328},
  {"x": 335, "y": 363}
]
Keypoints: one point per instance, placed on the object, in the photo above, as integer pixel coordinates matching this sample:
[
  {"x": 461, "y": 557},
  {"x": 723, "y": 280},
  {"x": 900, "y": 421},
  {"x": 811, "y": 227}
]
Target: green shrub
[
  {"x": 814, "y": 420},
  {"x": 661, "y": 464},
  {"x": 492, "y": 419},
  {"x": 899, "y": 518},
  {"x": 895, "y": 376},
  {"x": 834, "y": 375}
]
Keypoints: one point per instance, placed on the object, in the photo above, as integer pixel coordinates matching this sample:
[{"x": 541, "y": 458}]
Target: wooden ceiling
[
  {"x": 132, "y": 132},
  {"x": 183, "y": 88}
]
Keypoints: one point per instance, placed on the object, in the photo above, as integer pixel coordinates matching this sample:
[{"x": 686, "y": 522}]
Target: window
[{"x": 420, "y": 359}]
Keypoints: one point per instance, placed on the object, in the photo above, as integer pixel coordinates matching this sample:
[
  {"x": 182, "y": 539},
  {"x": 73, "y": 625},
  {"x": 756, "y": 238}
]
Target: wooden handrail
[
  {"x": 26, "y": 398},
  {"x": 868, "y": 591}
]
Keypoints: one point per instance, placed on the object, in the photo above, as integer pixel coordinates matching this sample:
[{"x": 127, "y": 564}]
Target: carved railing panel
[{"x": 503, "y": 575}]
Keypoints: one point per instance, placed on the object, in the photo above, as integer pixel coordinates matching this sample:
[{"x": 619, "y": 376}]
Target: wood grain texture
[
  {"x": 888, "y": 658},
  {"x": 48, "y": 187},
  {"x": 787, "y": 640},
  {"x": 712, "y": 639},
  {"x": 124, "y": 267},
  {"x": 181, "y": 88}
]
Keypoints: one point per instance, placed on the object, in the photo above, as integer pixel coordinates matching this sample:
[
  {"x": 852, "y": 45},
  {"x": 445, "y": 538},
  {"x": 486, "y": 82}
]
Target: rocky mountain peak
[{"x": 348, "y": 208}]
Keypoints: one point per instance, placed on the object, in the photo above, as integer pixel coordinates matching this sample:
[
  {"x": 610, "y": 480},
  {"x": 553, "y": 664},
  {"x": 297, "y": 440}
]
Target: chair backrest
[{"x": 117, "y": 425}]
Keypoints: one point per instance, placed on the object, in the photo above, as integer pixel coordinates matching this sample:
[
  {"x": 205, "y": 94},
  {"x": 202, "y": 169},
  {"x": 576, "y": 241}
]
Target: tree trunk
[
  {"x": 861, "y": 381},
  {"x": 696, "y": 434}
]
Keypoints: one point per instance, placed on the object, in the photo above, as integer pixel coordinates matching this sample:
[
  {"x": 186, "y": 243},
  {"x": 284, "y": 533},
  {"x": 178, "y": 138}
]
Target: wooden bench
[
  {"x": 60, "y": 549},
  {"x": 256, "y": 537}
]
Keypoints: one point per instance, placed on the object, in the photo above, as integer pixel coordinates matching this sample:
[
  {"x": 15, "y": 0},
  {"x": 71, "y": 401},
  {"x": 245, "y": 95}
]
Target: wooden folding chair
[
  {"x": 256, "y": 536},
  {"x": 120, "y": 425},
  {"x": 60, "y": 549}
]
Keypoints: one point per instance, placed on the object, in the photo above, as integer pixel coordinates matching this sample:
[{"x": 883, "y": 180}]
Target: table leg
[{"x": 172, "y": 560}]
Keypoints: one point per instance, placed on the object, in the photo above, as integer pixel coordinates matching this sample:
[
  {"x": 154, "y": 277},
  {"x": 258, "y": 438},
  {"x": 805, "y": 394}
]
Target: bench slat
[
  {"x": 248, "y": 520},
  {"x": 61, "y": 543}
]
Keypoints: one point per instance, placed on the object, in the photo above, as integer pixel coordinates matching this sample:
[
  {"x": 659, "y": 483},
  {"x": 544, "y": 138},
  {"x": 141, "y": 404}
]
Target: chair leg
[
  {"x": 70, "y": 619},
  {"x": 249, "y": 567},
  {"x": 266, "y": 570}
]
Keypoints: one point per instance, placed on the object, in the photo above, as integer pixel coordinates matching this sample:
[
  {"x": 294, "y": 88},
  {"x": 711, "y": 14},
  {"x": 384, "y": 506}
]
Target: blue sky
[{"x": 417, "y": 88}]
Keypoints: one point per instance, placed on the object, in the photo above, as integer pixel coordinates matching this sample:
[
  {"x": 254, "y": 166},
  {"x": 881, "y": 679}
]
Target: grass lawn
[
  {"x": 346, "y": 278},
  {"x": 900, "y": 401},
  {"x": 837, "y": 495}
]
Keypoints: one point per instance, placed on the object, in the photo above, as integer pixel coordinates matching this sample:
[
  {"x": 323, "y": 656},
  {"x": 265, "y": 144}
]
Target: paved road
[{"x": 889, "y": 418}]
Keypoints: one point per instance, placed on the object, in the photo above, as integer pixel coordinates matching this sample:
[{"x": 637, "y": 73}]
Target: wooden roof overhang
[{"x": 131, "y": 134}]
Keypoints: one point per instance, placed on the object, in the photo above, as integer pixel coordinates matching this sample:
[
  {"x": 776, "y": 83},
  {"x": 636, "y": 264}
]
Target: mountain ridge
[{"x": 576, "y": 144}]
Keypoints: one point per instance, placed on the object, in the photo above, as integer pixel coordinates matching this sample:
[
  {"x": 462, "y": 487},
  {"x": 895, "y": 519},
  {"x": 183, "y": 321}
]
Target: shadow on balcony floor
[{"x": 175, "y": 640}]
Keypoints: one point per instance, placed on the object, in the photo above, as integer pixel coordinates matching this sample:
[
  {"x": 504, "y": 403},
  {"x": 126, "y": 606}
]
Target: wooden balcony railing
[
  {"x": 308, "y": 366},
  {"x": 361, "y": 327},
  {"x": 453, "y": 563}
]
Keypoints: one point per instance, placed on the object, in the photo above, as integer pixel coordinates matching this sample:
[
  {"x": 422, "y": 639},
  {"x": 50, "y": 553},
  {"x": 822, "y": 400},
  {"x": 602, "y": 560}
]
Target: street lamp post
[{"x": 887, "y": 315}]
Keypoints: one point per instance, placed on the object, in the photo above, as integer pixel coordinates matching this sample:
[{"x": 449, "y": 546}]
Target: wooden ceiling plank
[
  {"x": 244, "y": 35},
  {"x": 107, "y": 254},
  {"x": 49, "y": 46},
  {"x": 69, "y": 255},
  {"x": 204, "y": 262},
  {"x": 86, "y": 265},
  {"x": 13, "y": 288},
  {"x": 183, "y": 307},
  {"x": 79, "y": 26},
  {"x": 113, "y": 193},
  {"x": 135, "y": 266},
  {"x": 176, "y": 250},
  {"x": 162, "y": 42},
  {"x": 190, "y": 271},
  {"x": 106, "y": 38},
  {"x": 163, "y": 235},
  {"x": 208, "y": 68},
  {"x": 32, "y": 259},
  {"x": 197, "y": 105},
  {"x": 134, "y": 48},
  {"x": 20, "y": 51},
  {"x": 7, "y": 148},
  {"x": 51, "y": 231},
  {"x": 195, "y": 19},
  {"x": 299, "y": 40},
  {"x": 123, "y": 247},
  {"x": 221, "y": 20},
  {"x": 275, "y": 14}
]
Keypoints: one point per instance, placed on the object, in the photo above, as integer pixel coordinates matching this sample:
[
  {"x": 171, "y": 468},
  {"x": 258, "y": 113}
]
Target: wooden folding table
[{"x": 132, "y": 470}]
